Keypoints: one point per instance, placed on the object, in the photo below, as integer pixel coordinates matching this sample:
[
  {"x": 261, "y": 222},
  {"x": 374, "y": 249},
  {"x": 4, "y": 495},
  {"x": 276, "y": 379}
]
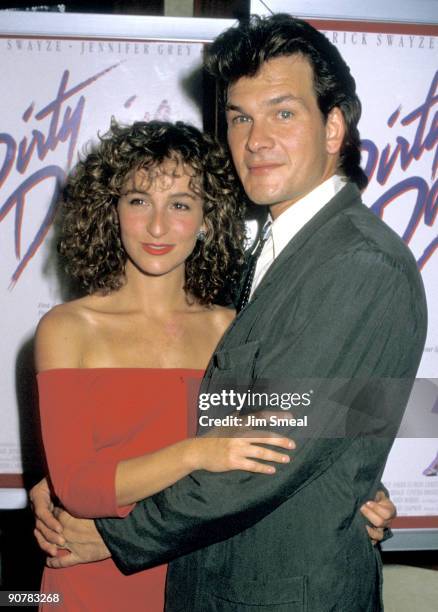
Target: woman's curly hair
[{"x": 90, "y": 235}]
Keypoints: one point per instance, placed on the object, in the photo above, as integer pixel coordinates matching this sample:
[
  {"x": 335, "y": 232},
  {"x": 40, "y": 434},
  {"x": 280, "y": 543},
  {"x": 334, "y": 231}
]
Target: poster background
[
  {"x": 61, "y": 89},
  {"x": 141, "y": 78},
  {"x": 404, "y": 194}
]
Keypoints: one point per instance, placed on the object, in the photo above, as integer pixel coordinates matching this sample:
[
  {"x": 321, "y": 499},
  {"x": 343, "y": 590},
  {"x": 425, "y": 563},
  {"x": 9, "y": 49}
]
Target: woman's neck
[{"x": 154, "y": 295}]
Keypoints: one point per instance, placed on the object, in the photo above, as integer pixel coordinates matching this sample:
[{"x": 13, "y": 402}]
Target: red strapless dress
[{"x": 91, "y": 419}]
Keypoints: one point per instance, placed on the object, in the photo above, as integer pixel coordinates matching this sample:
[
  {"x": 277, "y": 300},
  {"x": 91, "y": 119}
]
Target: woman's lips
[{"x": 157, "y": 249}]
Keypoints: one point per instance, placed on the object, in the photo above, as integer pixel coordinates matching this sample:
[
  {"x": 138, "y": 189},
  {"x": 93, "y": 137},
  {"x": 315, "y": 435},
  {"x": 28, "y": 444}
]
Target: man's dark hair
[{"x": 241, "y": 51}]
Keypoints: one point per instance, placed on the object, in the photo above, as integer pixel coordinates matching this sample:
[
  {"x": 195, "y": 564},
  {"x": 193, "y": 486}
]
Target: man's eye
[
  {"x": 285, "y": 114},
  {"x": 240, "y": 119}
]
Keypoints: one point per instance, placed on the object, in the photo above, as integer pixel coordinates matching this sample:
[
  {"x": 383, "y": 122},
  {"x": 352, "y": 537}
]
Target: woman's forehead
[{"x": 163, "y": 176}]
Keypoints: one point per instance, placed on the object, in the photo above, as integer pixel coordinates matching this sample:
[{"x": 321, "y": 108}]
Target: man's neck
[{"x": 276, "y": 210}]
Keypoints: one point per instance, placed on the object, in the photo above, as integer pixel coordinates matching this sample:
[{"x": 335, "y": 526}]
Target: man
[{"x": 336, "y": 300}]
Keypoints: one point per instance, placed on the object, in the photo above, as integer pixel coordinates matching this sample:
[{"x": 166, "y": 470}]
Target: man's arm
[
  {"x": 370, "y": 324},
  {"x": 69, "y": 541}
]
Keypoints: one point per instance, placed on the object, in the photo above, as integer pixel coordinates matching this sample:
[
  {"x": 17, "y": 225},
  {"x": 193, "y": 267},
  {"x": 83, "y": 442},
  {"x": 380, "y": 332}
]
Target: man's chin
[
  {"x": 264, "y": 199},
  {"x": 262, "y": 196}
]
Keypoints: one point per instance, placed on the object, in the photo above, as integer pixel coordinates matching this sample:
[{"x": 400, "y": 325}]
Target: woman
[{"x": 152, "y": 227}]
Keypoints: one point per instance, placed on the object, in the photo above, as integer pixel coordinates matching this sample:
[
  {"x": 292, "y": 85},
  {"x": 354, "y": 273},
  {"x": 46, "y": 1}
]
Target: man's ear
[{"x": 334, "y": 131}]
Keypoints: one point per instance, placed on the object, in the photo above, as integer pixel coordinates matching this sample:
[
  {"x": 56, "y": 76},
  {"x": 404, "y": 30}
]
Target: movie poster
[{"x": 58, "y": 94}]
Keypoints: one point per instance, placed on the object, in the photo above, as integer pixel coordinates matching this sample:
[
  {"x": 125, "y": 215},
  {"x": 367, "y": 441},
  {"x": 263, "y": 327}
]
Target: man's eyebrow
[
  {"x": 234, "y": 107},
  {"x": 281, "y": 99},
  {"x": 269, "y": 102}
]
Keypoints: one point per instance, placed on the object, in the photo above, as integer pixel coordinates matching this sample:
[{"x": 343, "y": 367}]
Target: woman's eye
[
  {"x": 180, "y": 206},
  {"x": 137, "y": 202}
]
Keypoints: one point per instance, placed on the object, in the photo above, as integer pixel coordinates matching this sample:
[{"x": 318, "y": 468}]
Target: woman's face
[{"x": 160, "y": 216}]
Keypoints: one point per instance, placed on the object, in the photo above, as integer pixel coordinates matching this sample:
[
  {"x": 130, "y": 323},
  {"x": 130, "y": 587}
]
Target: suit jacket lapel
[{"x": 347, "y": 197}]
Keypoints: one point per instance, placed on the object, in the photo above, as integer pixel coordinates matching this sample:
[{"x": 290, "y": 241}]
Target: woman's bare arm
[{"x": 143, "y": 476}]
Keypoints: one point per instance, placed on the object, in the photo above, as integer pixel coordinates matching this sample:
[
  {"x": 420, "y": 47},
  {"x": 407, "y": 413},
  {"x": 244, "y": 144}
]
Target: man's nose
[{"x": 259, "y": 137}]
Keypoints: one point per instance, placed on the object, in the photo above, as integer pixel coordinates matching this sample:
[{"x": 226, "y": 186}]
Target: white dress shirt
[{"x": 289, "y": 223}]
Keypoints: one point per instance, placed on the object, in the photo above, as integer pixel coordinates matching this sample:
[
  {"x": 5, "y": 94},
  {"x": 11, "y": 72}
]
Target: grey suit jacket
[{"x": 342, "y": 312}]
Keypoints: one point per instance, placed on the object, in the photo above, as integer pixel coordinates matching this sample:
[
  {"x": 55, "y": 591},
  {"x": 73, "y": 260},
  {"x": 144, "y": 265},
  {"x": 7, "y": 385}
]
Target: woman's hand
[
  {"x": 48, "y": 530},
  {"x": 239, "y": 448}
]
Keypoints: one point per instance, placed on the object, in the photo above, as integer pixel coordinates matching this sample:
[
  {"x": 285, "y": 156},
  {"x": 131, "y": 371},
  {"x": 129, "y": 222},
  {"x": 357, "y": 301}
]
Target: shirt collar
[{"x": 289, "y": 223}]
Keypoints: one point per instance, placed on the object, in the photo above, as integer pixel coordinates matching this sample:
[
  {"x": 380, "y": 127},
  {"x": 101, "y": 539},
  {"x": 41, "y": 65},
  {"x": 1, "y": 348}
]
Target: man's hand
[
  {"x": 379, "y": 513},
  {"x": 82, "y": 541},
  {"x": 48, "y": 531}
]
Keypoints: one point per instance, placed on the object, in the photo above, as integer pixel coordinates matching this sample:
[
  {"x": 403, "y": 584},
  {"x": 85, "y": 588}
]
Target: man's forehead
[{"x": 278, "y": 71}]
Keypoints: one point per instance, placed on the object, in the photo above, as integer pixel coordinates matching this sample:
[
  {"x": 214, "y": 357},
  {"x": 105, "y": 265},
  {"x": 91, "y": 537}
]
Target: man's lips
[
  {"x": 156, "y": 249},
  {"x": 262, "y": 167}
]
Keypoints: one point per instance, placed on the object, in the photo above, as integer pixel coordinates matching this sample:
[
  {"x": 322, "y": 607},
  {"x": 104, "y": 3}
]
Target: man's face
[{"x": 280, "y": 144}]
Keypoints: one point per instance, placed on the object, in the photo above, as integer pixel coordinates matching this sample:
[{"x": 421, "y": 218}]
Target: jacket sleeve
[
  {"x": 82, "y": 477},
  {"x": 361, "y": 320}
]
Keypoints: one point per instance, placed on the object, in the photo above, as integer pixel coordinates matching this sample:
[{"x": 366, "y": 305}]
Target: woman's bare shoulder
[{"x": 60, "y": 335}]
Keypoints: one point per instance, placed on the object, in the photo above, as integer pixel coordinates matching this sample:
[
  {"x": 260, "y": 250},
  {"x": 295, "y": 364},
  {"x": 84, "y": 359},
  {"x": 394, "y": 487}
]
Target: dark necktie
[{"x": 247, "y": 283}]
